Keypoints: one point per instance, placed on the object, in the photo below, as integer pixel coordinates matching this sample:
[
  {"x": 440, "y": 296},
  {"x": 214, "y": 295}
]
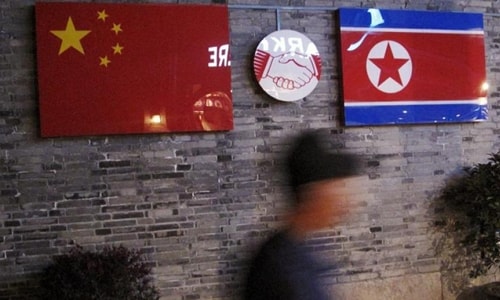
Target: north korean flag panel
[
  {"x": 407, "y": 67},
  {"x": 132, "y": 68}
]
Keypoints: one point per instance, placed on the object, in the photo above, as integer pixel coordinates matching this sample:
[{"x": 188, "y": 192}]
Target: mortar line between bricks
[
  {"x": 278, "y": 7},
  {"x": 324, "y": 8}
]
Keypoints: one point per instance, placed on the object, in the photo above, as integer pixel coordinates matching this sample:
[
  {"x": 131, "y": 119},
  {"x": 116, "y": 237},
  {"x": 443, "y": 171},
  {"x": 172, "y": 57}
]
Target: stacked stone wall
[{"x": 199, "y": 204}]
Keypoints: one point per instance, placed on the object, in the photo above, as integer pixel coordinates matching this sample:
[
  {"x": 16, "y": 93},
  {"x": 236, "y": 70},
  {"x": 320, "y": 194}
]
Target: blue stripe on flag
[
  {"x": 421, "y": 113},
  {"x": 356, "y": 17}
]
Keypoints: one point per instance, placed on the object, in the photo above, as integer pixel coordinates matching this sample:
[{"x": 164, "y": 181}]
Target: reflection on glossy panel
[{"x": 214, "y": 110}]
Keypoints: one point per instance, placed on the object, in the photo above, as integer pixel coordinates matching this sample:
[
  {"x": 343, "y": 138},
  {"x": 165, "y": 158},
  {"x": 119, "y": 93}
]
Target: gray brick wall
[{"x": 199, "y": 204}]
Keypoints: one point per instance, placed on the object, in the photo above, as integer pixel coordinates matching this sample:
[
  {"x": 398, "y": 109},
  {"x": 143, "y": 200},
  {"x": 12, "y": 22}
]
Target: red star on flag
[{"x": 389, "y": 66}]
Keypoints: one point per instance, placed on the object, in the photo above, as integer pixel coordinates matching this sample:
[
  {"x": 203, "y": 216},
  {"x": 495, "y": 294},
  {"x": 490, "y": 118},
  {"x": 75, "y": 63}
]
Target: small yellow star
[
  {"x": 104, "y": 61},
  {"x": 102, "y": 15},
  {"x": 117, "y": 28},
  {"x": 117, "y": 49},
  {"x": 70, "y": 37}
]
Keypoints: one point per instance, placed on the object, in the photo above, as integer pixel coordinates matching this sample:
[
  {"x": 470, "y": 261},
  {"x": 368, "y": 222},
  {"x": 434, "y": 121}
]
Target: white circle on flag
[
  {"x": 287, "y": 65},
  {"x": 389, "y": 66}
]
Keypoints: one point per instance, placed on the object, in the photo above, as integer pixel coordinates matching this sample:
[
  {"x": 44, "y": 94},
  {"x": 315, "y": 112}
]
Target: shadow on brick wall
[{"x": 22, "y": 287}]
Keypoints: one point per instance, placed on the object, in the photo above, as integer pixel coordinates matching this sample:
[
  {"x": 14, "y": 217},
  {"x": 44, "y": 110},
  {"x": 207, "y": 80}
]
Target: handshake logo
[{"x": 287, "y": 65}]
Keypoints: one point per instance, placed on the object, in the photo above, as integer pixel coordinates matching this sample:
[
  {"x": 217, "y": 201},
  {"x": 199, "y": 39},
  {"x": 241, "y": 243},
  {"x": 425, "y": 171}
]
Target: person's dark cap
[{"x": 308, "y": 161}]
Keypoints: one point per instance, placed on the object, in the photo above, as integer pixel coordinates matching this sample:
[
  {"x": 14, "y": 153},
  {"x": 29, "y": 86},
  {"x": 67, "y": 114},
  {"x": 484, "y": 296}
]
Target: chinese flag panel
[
  {"x": 407, "y": 67},
  {"x": 132, "y": 68}
]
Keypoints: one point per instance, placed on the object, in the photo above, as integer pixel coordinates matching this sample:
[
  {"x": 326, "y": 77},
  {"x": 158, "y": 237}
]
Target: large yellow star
[{"x": 70, "y": 37}]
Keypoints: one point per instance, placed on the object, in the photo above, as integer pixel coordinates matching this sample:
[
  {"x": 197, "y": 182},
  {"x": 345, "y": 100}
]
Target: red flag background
[
  {"x": 132, "y": 68},
  {"x": 444, "y": 67}
]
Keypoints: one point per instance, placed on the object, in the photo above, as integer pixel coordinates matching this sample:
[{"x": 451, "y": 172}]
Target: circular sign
[
  {"x": 389, "y": 66},
  {"x": 287, "y": 65}
]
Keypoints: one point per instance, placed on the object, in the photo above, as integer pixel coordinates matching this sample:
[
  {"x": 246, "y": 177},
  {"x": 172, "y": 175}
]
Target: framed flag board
[
  {"x": 411, "y": 67},
  {"x": 132, "y": 68}
]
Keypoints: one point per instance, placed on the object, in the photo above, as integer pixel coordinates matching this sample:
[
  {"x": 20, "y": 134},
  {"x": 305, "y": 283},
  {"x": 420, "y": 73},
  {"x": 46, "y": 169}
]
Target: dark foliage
[
  {"x": 113, "y": 273},
  {"x": 474, "y": 200}
]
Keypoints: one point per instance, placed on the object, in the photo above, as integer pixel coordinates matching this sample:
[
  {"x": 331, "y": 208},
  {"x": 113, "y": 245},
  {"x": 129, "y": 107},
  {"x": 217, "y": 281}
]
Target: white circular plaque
[{"x": 287, "y": 65}]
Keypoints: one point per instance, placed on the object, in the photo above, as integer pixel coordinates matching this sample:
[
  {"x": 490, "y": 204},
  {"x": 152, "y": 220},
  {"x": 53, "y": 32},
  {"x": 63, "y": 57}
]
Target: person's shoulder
[
  {"x": 262, "y": 266},
  {"x": 276, "y": 241},
  {"x": 277, "y": 245}
]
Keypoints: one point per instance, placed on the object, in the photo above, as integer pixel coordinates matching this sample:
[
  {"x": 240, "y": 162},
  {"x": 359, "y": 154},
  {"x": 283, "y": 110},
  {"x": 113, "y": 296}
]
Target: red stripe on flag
[{"x": 444, "y": 66}]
